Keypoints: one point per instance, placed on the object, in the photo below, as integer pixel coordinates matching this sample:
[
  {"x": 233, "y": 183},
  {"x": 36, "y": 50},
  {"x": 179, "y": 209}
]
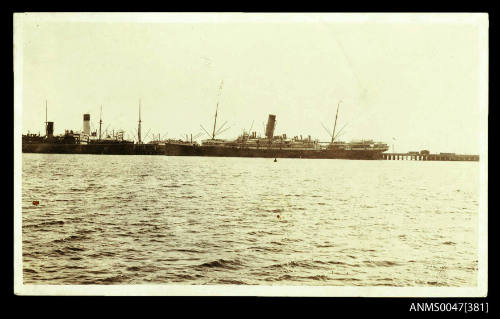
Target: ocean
[{"x": 104, "y": 219}]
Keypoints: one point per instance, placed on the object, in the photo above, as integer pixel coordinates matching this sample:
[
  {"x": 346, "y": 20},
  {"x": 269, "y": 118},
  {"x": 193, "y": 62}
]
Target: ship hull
[
  {"x": 108, "y": 149},
  {"x": 217, "y": 151},
  {"x": 195, "y": 150}
]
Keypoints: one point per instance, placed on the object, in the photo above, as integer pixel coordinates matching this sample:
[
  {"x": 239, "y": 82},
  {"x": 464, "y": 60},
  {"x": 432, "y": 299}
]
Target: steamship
[
  {"x": 271, "y": 146},
  {"x": 250, "y": 145},
  {"x": 86, "y": 142}
]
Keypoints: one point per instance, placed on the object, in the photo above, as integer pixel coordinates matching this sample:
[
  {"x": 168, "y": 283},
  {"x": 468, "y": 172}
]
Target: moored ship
[
  {"x": 250, "y": 145},
  {"x": 86, "y": 142}
]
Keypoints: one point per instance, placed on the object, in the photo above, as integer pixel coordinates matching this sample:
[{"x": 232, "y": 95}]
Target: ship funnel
[
  {"x": 270, "y": 126},
  {"x": 86, "y": 124},
  {"x": 50, "y": 129}
]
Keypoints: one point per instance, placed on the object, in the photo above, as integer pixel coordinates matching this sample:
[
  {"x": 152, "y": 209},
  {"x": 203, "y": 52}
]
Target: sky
[{"x": 411, "y": 84}]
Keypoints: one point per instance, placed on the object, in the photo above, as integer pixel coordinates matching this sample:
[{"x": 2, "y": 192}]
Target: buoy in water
[
  {"x": 35, "y": 202},
  {"x": 278, "y": 216}
]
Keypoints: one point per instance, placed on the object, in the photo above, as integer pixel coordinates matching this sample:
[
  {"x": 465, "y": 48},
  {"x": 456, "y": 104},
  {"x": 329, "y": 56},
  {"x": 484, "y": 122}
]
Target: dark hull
[
  {"x": 190, "y": 150},
  {"x": 108, "y": 149}
]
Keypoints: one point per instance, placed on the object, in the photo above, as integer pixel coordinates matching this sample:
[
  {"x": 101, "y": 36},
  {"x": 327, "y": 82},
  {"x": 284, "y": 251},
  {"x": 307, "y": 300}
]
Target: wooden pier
[{"x": 429, "y": 157}]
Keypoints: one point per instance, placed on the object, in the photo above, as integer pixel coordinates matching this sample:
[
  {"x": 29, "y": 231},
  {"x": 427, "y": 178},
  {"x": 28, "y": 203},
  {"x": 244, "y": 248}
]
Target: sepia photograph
[{"x": 251, "y": 154}]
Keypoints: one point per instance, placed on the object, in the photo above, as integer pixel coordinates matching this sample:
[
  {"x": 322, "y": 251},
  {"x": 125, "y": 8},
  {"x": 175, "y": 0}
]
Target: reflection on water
[{"x": 194, "y": 220}]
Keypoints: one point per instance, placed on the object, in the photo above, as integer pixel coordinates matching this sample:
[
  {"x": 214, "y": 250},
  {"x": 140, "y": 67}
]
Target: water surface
[{"x": 106, "y": 219}]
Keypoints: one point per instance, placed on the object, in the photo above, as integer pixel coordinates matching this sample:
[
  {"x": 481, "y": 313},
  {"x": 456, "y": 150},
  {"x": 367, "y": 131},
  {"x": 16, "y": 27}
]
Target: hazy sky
[{"x": 412, "y": 81}]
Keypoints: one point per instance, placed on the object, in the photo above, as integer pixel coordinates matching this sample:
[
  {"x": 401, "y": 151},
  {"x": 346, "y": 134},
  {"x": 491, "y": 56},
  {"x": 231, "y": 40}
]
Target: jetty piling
[{"x": 429, "y": 157}]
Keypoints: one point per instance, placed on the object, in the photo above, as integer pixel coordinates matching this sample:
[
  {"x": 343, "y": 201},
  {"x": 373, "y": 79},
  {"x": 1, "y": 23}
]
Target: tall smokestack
[
  {"x": 86, "y": 124},
  {"x": 50, "y": 129},
  {"x": 270, "y": 126}
]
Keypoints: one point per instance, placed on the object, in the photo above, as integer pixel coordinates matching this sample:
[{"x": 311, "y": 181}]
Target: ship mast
[
  {"x": 46, "y": 123},
  {"x": 215, "y": 121},
  {"x": 139, "y": 129},
  {"x": 100, "y": 124},
  {"x": 335, "y": 125},
  {"x": 217, "y": 108}
]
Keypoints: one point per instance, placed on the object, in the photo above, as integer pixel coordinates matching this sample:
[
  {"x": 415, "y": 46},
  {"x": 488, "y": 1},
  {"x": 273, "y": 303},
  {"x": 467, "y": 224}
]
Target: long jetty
[{"x": 429, "y": 157}]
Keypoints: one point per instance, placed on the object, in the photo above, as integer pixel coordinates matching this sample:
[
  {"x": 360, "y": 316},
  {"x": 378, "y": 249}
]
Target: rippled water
[{"x": 195, "y": 220}]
